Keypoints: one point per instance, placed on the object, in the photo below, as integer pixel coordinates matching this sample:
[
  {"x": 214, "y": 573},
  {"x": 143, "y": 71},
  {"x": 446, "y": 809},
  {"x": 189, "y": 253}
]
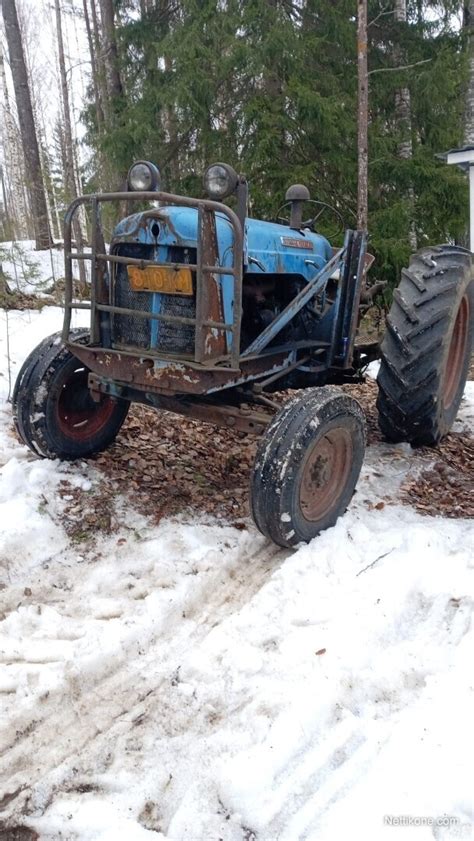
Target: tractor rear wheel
[
  {"x": 54, "y": 413},
  {"x": 426, "y": 350},
  {"x": 307, "y": 465}
]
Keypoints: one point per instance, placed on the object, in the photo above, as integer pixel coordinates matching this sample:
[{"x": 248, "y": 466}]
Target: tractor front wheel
[
  {"x": 426, "y": 350},
  {"x": 307, "y": 465},
  {"x": 54, "y": 413}
]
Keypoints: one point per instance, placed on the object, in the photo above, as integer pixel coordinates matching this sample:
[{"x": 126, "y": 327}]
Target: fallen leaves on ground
[
  {"x": 444, "y": 488},
  {"x": 165, "y": 464},
  {"x": 447, "y": 487},
  {"x": 171, "y": 462}
]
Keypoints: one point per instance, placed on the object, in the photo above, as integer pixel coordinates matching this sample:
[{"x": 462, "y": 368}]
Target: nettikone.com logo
[{"x": 420, "y": 820}]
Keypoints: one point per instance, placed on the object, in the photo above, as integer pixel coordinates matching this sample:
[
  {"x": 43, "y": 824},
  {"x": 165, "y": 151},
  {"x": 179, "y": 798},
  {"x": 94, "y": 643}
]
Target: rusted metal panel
[
  {"x": 100, "y": 322},
  {"x": 174, "y": 376},
  {"x": 210, "y": 342},
  {"x": 95, "y": 324},
  {"x": 210, "y": 329},
  {"x": 245, "y": 419}
]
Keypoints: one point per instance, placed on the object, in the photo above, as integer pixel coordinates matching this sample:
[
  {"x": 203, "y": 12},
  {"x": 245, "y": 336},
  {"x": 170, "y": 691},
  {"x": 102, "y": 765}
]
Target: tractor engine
[{"x": 277, "y": 265}]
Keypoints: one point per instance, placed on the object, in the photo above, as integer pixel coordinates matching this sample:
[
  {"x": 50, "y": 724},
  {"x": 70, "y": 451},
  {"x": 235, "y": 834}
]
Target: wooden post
[{"x": 362, "y": 116}]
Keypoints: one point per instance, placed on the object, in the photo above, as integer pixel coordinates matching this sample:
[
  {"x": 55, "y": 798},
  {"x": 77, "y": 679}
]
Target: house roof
[{"x": 462, "y": 156}]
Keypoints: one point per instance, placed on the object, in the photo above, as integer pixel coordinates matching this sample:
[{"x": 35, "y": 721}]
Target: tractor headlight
[
  {"x": 220, "y": 180},
  {"x": 143, "y": 176}
]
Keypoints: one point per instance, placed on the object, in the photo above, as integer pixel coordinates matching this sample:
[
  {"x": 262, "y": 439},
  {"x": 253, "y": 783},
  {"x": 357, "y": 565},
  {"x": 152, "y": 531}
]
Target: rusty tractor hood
[{"x": 268, "y": 246}]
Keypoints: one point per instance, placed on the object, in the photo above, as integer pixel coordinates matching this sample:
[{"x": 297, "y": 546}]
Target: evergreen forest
[{"x": 270, "y": 87}]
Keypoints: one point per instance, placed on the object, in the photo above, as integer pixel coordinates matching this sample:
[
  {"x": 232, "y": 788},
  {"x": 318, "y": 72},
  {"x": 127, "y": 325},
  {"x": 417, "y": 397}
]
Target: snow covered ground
[
  {"x": 34, "y": 272},
  {"x": 192, "y": 681}
]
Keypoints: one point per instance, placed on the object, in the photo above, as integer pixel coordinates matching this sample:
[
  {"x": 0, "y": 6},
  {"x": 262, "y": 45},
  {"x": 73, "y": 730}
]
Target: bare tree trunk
[
  {"x": 166, "y": 12},
  {"x": 110, "y": 54},
  {"x": 27, "y": 125},
  {"x": 362, "y": 117},
  {"x": 169, "y": 121},
  {"x": 146, "y": 7},
  {"x": 403, "y": 118},
  {"x": 114, "y": 93},
  {"x": 75, "y": 114},
  {"x": 14, "y": 177},
  {"x": 69, "y": 172},
  {"x": 100, "y": 67},
  {"x": 55, "y": 206},
  {"x": 46, "y": 180},
  {"x": 94, "y": 70},
  {"x": 468, "y": 24},
  {"x": 7, "y": 224}
]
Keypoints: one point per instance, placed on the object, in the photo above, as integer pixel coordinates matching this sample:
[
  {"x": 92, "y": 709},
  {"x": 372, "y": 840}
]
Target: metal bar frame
[
  {"x": 347, "y": 313},
  {"x": 202, "y": 206},
  {"x": 352, "y": 313},
  {"x": 220, "y": 413},
  {"x": 233, "y": 361},
  {"x": 315, "y": 285}
]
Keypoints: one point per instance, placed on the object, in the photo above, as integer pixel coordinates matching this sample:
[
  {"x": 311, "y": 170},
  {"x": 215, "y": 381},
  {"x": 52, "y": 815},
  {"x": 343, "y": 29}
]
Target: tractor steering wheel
[{"x": 332, "y": 231}]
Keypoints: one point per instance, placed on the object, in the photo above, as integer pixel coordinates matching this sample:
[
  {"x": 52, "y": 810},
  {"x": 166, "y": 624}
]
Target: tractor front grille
[
  {"x": 138, "y": 332},
  {"x": 127, "y": 330}
]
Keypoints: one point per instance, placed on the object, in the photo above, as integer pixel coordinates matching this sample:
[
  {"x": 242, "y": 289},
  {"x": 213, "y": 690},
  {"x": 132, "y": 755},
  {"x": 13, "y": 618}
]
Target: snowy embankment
[
  {"x": 34, "y": 272},
  {"x": 191, "y": 681}
]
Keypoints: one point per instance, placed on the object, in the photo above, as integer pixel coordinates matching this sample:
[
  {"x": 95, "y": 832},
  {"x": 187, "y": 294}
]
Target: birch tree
[
  {"x": 469, "y": 100},
  {"x": 69, "y": 169},
  {"x": 15, "y": 199},
  {"x": 362, "y": 117},
  {"x": 404, "y": 124}
]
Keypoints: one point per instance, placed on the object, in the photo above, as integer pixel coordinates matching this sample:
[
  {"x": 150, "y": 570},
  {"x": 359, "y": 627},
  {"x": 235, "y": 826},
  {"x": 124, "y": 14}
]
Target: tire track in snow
[{"x": 92, "y": 698}]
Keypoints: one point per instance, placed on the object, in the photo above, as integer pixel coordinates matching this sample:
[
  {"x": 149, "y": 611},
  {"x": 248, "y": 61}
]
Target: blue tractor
[{"x": 199, "y": 310}]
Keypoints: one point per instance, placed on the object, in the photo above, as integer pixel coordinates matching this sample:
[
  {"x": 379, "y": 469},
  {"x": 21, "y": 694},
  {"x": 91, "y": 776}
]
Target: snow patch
[{"x": 191, "y": 680}]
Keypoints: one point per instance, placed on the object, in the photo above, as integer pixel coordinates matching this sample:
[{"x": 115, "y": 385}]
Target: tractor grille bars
[
  {"x": 99, "y": 295},
  {"x": 127, "y": 331}
]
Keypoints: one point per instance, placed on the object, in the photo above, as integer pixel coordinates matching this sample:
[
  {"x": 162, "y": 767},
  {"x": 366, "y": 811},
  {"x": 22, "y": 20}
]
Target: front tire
[
  {"x": 53, "y": 410},
  {"x": 426, "y": 351},
  {"x": 307, "y": 465}
]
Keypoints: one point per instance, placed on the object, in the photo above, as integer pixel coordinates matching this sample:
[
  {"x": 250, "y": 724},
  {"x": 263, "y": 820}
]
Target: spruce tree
[{"x": 270, "y": 86}]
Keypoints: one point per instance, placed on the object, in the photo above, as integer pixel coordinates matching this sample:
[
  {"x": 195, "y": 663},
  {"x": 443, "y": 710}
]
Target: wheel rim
[
  {"x": 79, "y": 417},
  {"x": 456, "y": 353},
  {"x": 325, "y": 473}
]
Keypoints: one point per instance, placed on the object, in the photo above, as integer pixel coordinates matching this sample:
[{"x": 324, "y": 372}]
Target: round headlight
[
  {"x": 220, "y": 180},
  {"x": 143, "y": 176}
]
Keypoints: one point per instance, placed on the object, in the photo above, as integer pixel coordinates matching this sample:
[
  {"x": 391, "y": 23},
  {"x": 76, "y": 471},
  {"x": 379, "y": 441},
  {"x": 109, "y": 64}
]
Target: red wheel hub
[
  {"x": 79, "y": 416},
  {"x": 456, "y": 353},
  {"x": 325, "y": 473}
]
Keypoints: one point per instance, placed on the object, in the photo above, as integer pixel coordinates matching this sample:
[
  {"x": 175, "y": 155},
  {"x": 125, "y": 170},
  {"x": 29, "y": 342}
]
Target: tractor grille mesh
[
  {"x": 136, "y": 332},
  {"x": 128, "y": 330},
  {"x": 178, "y": 338}
]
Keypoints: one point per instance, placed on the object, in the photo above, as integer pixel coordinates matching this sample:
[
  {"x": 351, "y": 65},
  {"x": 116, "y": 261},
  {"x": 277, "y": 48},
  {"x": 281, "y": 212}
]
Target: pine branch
[
  {"x": 380, "y": 15},
  {"x": 394, "y": 69}
]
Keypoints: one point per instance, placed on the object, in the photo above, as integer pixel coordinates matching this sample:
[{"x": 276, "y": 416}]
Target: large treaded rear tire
[
  {"x": 307, "y": 465},
  {"x": 426, "y": 350},
  {"x": 53, "y": 411}
]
